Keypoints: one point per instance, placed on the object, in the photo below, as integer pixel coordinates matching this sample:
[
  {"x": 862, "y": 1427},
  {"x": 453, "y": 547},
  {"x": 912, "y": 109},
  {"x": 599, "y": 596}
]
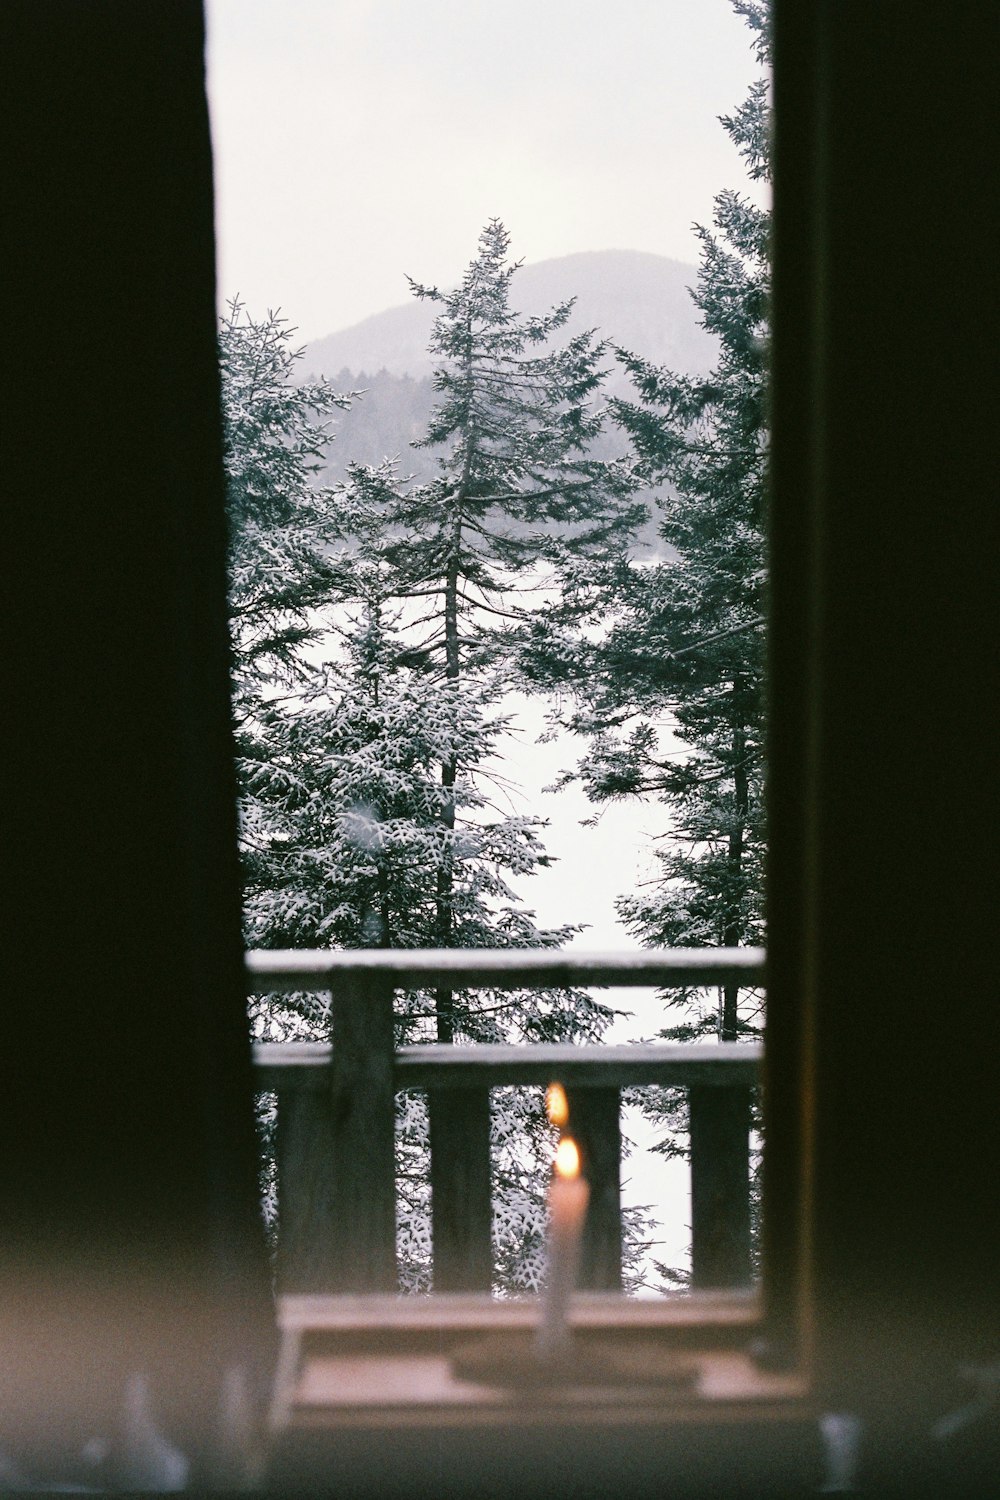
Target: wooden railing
[{"x": 336, "y": 1112}]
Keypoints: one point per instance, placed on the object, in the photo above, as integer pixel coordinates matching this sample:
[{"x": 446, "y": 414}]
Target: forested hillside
[{"x": 639, "y": 300}]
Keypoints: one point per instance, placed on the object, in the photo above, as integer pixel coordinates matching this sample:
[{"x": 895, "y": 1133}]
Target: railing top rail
[
  {"x": 502, "y": 968},
  {"x": 303, "y": 1064}
]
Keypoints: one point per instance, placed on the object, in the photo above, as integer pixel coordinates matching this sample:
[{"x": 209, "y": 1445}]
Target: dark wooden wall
[
  {"x": 883, "y": 924},
  {"x": 128, "y": 1230},
  {"x": 126, "y": 1171}
]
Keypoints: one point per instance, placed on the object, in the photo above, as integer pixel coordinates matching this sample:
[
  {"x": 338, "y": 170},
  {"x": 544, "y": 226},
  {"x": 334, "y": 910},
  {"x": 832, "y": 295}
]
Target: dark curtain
[{"x": 129, "y": 1233}]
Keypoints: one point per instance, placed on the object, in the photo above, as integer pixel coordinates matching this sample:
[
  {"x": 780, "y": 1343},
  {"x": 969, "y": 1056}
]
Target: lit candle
[
  {"x": 557, "y": 1105},
  {"x": 568, "y": 1194}
]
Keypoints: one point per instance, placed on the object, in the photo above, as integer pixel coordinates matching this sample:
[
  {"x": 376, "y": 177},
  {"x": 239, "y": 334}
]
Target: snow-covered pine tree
[
  {"x": 367, "y": 763},
  {"x": 275, "y": 433},
  {"x": 695, "y": 622},
  {"x": 682, "y": 651},
  {"x": 516, "y": 498},
  {"x": 281, "y": 573},
  {"x": 355, "y": 822}
]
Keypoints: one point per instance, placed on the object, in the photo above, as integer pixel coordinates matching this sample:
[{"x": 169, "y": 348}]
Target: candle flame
[
  {"x": 567, "y": 1158},
  {"x": 556, "y": 1105}
]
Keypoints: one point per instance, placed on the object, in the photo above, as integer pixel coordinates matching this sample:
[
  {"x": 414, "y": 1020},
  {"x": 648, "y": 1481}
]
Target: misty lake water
[{"x": 592, "y": 865}]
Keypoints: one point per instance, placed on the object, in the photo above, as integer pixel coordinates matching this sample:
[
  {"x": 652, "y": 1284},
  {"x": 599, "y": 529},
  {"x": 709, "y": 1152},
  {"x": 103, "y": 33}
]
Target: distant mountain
[
  {"x": 637, "y": 300},
  {"x": 640, "y": 302}
]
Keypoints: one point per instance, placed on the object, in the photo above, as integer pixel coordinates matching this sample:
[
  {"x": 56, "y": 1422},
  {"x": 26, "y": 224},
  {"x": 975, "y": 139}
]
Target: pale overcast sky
[{"x": 357, "y": 140}]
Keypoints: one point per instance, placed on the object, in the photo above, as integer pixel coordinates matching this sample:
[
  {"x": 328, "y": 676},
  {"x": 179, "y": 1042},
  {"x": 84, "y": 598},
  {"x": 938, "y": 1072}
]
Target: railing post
[
  {"x": 363, "y": 1106},
  {"x": 720, "y": 1186},
  {"x": 461, "y": 1209},
  {"x": 595, "y": 1124},
  {"x": 307, "y": 1206},
  {"x": 336, "y": 1156}
]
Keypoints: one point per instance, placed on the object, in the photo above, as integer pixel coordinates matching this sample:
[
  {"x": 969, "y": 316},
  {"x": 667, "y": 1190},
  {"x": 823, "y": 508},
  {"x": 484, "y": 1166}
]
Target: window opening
[{"x": 498, "y": 569}]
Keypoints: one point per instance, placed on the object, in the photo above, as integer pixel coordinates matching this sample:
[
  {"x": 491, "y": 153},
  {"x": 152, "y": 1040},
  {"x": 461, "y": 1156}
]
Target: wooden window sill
[{"x": 381, "y": 1363}]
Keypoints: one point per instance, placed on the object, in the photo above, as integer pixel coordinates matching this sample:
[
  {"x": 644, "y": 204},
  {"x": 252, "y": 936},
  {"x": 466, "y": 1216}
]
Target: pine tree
[
  {"x": 516, "y": 494},
  {"x": 276, "y": 433},
  {"x": 461, "y": 560},
  {"x": 681, "y": 653},
  {"x": 281, "y": 573},
  {"x": 683, "y": 645},
  {"x": 703, "y": 607},
  {"x": 372, "y": 625}
]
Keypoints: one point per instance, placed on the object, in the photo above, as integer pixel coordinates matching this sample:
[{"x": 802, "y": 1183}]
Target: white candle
[{"x": 568, "y": 1195}]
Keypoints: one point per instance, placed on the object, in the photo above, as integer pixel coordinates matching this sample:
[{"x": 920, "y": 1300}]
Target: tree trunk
[
  {"x": 733, "y": 930},
  {"x": 444, "y": 1002},
  {"x": 444, "y": 998}
]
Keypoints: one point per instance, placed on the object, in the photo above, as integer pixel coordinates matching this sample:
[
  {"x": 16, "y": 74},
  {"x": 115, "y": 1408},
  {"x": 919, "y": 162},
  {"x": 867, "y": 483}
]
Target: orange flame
[
  {"x": 556, "y": 1105},
  {"x": 567, "y": 1158}
]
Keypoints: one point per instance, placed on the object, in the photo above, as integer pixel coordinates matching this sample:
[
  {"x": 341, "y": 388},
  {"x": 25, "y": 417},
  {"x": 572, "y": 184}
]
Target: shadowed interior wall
[
  {"x": 882, "y": 763},
  {"x": 127, "y": 1223},
  {"x": 128, "y": 1220}
]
